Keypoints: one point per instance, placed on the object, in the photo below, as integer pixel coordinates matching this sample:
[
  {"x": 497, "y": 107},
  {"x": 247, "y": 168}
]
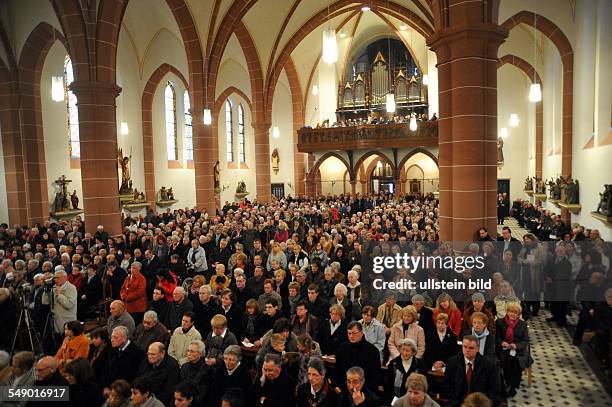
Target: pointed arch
[
  {"x": 561, "y": 42},
  {"x": 31, "y": 62},
  {"x": 315, "y": 169},
  {"x": 147, "y": 121},
  {"x": 414, "y": 152},
  {"x": 370, "y": 153}
]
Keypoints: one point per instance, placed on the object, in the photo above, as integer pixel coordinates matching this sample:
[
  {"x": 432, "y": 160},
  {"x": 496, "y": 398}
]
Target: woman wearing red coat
[
  {"x": 134, "y": 292},
  {"x": 445, "y": 304},
  {"x": 166, "y": 280}
]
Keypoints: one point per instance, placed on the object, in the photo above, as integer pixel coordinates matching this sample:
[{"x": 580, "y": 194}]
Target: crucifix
[
  {"x": 63, "y": 182},
  {"x": 61, "y": 198}
]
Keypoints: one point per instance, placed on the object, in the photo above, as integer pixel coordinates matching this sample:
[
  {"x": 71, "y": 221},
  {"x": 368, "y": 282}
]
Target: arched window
[
  {"x": 188, "y": 129},
  {"x": 72, "y": 112},
  {"x": 170, "y": 104},
  {"x": 229, "y": 131},
  {"x": 241, "y": 155}
]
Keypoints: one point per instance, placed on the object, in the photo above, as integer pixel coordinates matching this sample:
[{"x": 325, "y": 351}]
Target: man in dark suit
[
  {"x": 510, "y": 243},
  {"x": 161, "y": 370},
  {"x": 124, "y": 360},
  {"x": 357, "y": 352},
  {"x": 424, "y": 313},
  {"x": 557, "y": 276},
  {"x": 271, "y": 388},
  {"x": 469, "y": 372}
]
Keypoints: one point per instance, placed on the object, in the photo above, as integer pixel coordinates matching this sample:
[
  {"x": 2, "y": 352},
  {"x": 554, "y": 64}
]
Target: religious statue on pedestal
[
  {"x": 572, "y": 196},
  {"x": 529, "y": 184},
  {"x": 163, "y": 194},
  {"x": 605, "y": 201},
  {"x": 217, "y": 176},
  {"x": 275, "y": 161},
  {"x": 74, "y": 199},
  {"x": 540, "y": 187},
  {"x": 500, "y": 150},
  {"x": 170, "y": 194},
  {"x": 124, "y": 164},
  {"x": 241, "y": 188},
  {"x": 61, "y": 202}
]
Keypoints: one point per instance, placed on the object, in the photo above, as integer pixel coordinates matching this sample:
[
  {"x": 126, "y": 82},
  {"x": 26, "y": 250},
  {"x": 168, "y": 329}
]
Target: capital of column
[
  {"x": 485, "y": 39},
  {"x": 82, "y": 88},
  {"x": 261, "y": 126}
]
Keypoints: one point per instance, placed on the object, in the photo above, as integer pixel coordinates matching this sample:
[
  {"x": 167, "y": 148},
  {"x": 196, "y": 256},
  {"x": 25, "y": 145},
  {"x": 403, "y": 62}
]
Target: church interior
[{"x": 309, "y": 131}]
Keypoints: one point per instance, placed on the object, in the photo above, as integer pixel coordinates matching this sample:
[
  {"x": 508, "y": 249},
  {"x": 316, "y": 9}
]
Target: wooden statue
[
  {"x": 124, "y": 164},
  {"x": 61, "y": 202},
  {"x": 163, "y": 194},
  {"x": 74, "y": 199},
  {"x": 605, "y": 201},
  {"x": 500, "y": 150},
  {"x": 275, "y": 161},
  {"x": 170, "y": 194}
]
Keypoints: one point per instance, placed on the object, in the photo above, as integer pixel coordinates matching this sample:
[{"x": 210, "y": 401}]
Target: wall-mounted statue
[
  {"x": 124, "y": 164},
  {"x": 61, "y": 202},
  {"x": 217, "y": 176},
  {"x": 163, "y": 194},
  {"x": 74, "y": 199},
  {"x": 540, "y": 186},
  {"x": 275, "y": 161},
  {"x": 241, "y": 188},
  {"x": 500, "y": 150},
  {"x": 170, "y": 194},
  {"x": 605, "y": 201},
  {"x": 529, "y": 184},
  {"x": 572, "y": 196}
]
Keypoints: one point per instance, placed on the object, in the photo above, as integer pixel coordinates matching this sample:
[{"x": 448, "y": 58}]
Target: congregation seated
[{"x": 303, "y": 300}]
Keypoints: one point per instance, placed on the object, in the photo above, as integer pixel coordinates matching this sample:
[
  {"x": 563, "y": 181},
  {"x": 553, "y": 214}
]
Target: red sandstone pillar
[
  {"x": 98, "y": 136},
  {"x": 14, "y": 173},
  {"x": 467, "y": 128},
  {"x": 262, "y": 161},
  {"x": 205, "y": 155}
]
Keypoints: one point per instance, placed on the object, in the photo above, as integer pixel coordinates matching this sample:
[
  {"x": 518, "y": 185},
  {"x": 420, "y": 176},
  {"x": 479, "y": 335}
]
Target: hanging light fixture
[
  {"x": 124, "y": 129},
  {"x": 535, "y": 90},
  {"x": 535, "y": 93},
  {"x": 503, "y": 132},
  {"x": 514, "y": 120},
  {"x": 330, "y": 47},
  {"x": 413, "y": 122},
  {"x": 275, "y": 132},
  {"x": 57, "y": 88},
  {"x": 315, "y": 90},
  {"x": 390, "y": 98},
  {"x": 207, "y": 117},
  {"x": 390, "y": 105}
]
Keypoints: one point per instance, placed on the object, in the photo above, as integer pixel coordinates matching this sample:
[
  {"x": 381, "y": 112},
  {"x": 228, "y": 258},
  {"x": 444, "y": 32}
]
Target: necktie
[{"x": 468, "y": 376}]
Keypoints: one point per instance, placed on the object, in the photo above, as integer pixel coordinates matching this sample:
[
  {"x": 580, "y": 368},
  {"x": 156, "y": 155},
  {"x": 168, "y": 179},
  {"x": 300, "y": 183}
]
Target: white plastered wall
[{"x": 282, "y": 116}]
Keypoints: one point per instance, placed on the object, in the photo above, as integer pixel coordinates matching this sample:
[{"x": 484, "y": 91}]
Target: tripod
[
  {"x": 49, "y": 327},
  {"x": 25, "y": 318}
]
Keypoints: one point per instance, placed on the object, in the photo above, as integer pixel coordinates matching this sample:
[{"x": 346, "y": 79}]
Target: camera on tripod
[{"x": 48, "y": 284}]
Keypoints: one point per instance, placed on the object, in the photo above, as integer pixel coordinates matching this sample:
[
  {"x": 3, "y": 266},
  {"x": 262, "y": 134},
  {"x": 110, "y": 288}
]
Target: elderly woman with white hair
[
  {"x": 401, "y": 367},
  {"x": 341, "y": 297}
]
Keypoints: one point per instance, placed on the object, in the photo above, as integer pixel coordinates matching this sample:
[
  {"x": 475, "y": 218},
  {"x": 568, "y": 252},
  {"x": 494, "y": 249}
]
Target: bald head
[
  {"x": 45, "y": 368},
  {"x": 117, "y": 308}
]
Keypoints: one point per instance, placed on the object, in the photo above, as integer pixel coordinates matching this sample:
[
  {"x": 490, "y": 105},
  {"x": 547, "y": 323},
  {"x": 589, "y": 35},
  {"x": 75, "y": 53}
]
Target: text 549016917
[{"x": 50, "y": 393}]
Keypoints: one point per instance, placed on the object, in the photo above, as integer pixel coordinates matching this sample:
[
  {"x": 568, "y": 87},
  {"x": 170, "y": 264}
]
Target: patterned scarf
[{"x": 510, "y": 331}]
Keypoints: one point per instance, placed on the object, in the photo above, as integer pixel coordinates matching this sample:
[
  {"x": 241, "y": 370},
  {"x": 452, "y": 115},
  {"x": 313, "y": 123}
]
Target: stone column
[
  {"x": 14, "y": 174},
  {"x": 262, "y": 161},
  {"x": 205, "y": 155},
  {"x": 467, "y": 81},
  {"x": 99, "y": 170},
  {"x": 353, "y": 188}
]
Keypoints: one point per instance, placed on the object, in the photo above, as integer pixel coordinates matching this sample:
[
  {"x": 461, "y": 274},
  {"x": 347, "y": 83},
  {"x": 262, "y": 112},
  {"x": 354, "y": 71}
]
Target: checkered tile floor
[{"x": 560, "y": 374}]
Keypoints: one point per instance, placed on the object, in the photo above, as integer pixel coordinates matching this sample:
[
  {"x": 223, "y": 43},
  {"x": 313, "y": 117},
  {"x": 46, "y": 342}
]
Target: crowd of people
[{"x": 263, "y": 305}]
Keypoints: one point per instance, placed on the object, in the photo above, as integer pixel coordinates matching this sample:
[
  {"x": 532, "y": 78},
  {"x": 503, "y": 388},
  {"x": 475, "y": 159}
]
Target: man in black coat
[
  {"x": 124, "y": 360},
  {"x": 469, "y": 372},
  {"x": 357, "y": 352},
  {"x": 204, "y": 309},
  {"x": 424, "y": 313},
  {"x": 356, "y": 394},
  {"x": 509, "y": 242},
  {"x": 557, "y": 276},
  {"x": 48, "y": 375},
  {"x": 177, "y": 308},
  {"x": 318, "y": 307},
  {"x": 275, "y": 388},
  {"x": 162, "y": 371}
]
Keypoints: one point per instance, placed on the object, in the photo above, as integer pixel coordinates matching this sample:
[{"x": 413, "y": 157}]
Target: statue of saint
[
  {"x": 572, "y": 196},
  {"x": 275, "y": 161},
  {"x": 528, "y": 184},
  {"x": 74, "y": 199},
  {"x": 217, "y": 175},
  {"x": 61, "y": 202},
  {"x": 605, "y": 201},
  {"x": 163, "y": 194},
  {"x": 241, "y": 188},
  {"x": 551, "y": 189},
  {"x": 170, "y": 194},
  {"x": 500, "y": 150},
  {"x": 124, "y": 164}
]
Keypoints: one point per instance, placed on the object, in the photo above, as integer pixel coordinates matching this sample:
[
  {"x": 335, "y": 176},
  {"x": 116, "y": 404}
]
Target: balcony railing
[{"x": 368, "y": 136}]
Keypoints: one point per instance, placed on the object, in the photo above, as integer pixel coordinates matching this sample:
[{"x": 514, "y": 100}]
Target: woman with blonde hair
[
  {"x": 407, "y": 327},
  {"x": 416, "y": 395},
  {"x": 513, "y": 346},
  {"x": 282, "y": 234},
  {"x": 446, "y": 305}
]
